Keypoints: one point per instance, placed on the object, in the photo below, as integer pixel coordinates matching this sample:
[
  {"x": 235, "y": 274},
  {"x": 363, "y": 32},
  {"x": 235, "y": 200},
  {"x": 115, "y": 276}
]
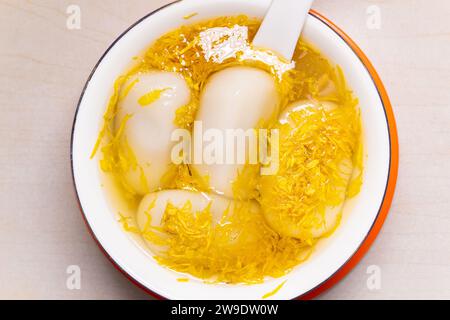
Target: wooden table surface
[{"x": 43, "y": 68}]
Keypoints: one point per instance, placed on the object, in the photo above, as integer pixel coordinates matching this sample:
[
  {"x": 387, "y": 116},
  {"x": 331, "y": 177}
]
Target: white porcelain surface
[{"x": 329, "y": 255}]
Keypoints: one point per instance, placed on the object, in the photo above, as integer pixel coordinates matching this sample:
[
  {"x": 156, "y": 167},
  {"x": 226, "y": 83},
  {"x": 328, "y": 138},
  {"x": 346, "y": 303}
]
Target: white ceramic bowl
[{"x": 334, "y": 256}]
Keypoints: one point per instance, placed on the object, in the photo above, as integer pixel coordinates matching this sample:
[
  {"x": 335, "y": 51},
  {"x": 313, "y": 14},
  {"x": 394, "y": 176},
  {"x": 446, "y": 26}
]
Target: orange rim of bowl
[
  {"x": 390, "y": 186},
  {"x": 393, "y": 166}
]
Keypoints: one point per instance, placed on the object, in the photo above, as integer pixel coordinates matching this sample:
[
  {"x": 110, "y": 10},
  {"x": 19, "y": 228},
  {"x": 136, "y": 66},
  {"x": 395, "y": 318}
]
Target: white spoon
[{"x": 282, "y": 26}]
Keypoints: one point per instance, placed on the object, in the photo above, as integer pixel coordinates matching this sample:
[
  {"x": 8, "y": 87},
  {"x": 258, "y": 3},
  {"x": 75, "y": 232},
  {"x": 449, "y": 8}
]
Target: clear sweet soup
[{"x": 273, "y": 221}]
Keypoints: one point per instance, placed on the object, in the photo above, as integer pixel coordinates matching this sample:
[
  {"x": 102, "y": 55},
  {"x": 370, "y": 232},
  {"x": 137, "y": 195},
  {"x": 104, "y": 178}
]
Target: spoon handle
[{"x": 282, "y": 26}]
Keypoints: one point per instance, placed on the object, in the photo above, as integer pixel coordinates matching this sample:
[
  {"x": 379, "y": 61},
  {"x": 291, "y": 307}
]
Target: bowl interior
[{"x": 330, "y": 254}]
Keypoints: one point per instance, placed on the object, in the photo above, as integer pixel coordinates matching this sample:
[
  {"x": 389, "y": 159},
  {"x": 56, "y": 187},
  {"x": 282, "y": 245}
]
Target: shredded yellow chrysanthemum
[
  {"x": 178, "y": 51},
  {"x": 150, "y": 97},
  {"x": 243, "y": 248},
  {"x": 240, "y": 248},
  {"x": 184, "y": 177},
  {"x": 315, "y": 158},
  {"x": 245, "y": 186},
  {"x": 119, "y": 158}
]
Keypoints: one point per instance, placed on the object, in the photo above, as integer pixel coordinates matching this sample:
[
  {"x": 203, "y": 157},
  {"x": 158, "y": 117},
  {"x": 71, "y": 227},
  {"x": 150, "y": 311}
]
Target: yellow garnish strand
[
  {"x": 355, "y": 184},
  {"x": 183, "y": 279},
  {"x": 151, "y": 97},
  {"x": 275, "y": 291},
  {"x": 245, "y": 186},
  {"x": 188, "y": 16},
  {"x": 125, "y": 221},
  {"x": 127, "y": 89},
  {"x": 184, "y": 177},
  {"x": 185, "y": 115},
  {"x": 108, "y": 117}
]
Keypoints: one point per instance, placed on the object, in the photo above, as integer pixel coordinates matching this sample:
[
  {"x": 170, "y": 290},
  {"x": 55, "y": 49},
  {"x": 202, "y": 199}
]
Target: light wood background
[{"x": 43, "y": 68}]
